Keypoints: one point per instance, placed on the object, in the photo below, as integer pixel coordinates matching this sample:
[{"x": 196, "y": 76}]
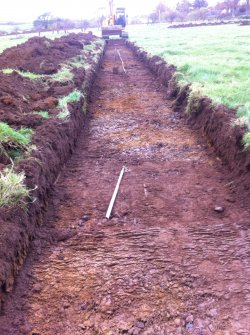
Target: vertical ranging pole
[
  {"x": 123, "y": 67},
  {"x": 112, "y": 201}
]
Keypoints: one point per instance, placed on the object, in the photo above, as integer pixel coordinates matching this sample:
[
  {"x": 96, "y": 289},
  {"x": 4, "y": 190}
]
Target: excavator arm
[{"x": 115, "y": 23}]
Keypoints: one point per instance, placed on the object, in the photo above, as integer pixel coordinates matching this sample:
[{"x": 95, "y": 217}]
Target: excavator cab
[
  {"x": 120, "y": 17},
  {"x": 115, "y": 24}
]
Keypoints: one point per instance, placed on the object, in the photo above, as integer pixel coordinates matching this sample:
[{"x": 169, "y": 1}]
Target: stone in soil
[{"x": 219, "y": 209}]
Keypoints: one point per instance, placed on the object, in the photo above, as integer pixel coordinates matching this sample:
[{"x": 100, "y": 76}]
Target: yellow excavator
[{"x": 115, "y": 23}]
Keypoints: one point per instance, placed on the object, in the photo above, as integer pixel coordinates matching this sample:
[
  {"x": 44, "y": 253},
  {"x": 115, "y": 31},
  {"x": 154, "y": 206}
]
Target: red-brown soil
[
  {"x": 21, "y": 98},
  {"x": 54, "y": 139},
  {"x": 42, "y": 55},
  {"x": 18, "y": 96},
  {"x": 167, "y": 262}
]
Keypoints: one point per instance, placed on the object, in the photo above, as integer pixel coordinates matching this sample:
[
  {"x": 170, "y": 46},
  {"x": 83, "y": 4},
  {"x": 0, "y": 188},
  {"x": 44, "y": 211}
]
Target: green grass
[
  {"x": 72, "y": 97},
  {"x": 216, "y": 58},
  {"x": 193, "y": 103},
  {"x": 14, "y": 142},
  {"x": 246, "y": 141},
  {"x": 91, "y": 51},
  {"x": 79, "y": 62},
  {"x": 63, "y": 75},
  {"x": 13, "y": 191},
  {"x": 26, "y": 74},
  {"x": 21, "y": 137},
  {"x": 11, "y": 41},
  {"x": 30, "y": 75},
  {"x": 43, "y": 114},
  {"x": 7, "y": 71}
]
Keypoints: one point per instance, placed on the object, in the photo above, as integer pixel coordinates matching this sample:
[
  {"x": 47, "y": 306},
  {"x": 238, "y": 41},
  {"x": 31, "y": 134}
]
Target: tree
[
  {"x": 67, "y": 24},
  {"x": 248, "y": 5},
  {"x": 171, "y": 15},
  {"x": 184, "y": 6},
  {"x": 231, "y": 6},
  {"x": 153, "y": 17},
  {"x": 16, "y": 30},
  {"x": 84, "y": 24},
  {"x": 43, "y": 21},
  {"x": 197, "y": 14},
  {"x": 200, "y": 4},
  {"x": 160, "y": 9},
  {"x": 100, "y": 21}
]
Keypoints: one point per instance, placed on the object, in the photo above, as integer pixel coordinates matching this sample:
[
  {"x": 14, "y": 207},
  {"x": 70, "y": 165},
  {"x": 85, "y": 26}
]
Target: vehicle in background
[{"x": 115, "y": 23}]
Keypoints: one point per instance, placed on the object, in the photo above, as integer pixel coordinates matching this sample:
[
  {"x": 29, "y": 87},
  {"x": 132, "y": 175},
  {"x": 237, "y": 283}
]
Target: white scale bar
[{"x": 112, "y": 201}]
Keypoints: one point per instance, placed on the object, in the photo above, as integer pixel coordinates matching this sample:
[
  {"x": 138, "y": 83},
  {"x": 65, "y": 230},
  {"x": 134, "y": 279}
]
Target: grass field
[{"x": 216, "y": 59}]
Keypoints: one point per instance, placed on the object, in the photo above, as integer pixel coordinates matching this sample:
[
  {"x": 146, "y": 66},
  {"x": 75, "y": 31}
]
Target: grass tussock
[
  {"x": 14, "y": 138},
  {"x": 30, "y": 75},
  {"x": 79, "y": 62},
  {"x": 14, "y": 142},
  {"x": 91, "y": 51},
  {"x": 193, "y": 102},
  {"x": 175, "y": 84},
  {"x": 72, "y": 97},
  {"x": 246, "y": 141},
  {"x": 64, "y": 75},
  {"x": 43, "y": 114},
  {"x": 26, "y": 74},
  {"x": 13, "y": 191}
]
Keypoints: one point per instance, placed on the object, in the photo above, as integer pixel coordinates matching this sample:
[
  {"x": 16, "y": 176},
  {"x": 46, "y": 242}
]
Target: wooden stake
[{"x": 112, "y": 201}]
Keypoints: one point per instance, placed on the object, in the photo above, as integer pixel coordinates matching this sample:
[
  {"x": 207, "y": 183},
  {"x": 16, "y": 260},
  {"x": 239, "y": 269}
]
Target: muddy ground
[{"x": 173, "y": 259}]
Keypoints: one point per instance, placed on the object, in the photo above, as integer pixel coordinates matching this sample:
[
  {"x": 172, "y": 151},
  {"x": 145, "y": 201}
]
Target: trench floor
[{"x": 166, "y": 262}]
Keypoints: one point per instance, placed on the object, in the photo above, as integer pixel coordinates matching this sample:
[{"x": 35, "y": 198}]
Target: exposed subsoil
[{"x": 169, "y": 261}]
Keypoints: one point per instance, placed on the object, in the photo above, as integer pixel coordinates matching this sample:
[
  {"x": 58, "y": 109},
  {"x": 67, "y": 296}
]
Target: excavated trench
[{"x": 173, "y": 259}]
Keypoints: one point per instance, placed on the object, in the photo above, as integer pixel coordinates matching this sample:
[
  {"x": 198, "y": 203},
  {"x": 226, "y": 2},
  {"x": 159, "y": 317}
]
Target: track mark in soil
[{"x": 167, "y": 262}]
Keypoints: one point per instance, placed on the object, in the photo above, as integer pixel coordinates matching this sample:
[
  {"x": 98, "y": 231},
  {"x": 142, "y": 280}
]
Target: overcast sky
[{"x": 28, "y": 10}]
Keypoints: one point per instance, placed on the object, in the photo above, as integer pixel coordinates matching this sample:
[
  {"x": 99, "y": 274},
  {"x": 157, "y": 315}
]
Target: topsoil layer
[
  {"x": 173, "y": 259},
  {"x": 54, "y": 138},
  {"x": 42, "y": 55}
]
